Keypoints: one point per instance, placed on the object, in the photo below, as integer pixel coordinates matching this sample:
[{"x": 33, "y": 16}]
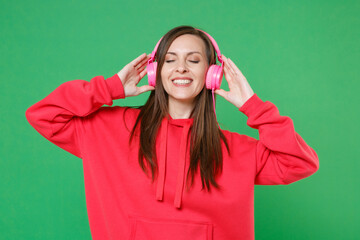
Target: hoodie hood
[{"x": 183, "y": 156}]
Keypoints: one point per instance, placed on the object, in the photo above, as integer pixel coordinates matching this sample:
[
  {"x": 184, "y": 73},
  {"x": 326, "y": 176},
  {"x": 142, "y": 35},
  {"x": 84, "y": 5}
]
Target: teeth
[{"x": 182, "y": 81}]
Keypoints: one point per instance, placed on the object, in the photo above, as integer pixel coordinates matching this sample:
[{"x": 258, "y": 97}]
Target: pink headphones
[{"x": 213, "y": 76}]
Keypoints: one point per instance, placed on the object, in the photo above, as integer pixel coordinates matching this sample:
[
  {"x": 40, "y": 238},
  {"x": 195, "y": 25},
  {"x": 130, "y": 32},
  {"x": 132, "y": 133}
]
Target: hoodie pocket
[{"x": 143, "y": 228}]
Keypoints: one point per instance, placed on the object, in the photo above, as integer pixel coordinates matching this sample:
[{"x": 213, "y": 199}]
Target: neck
[{"x": 180, "y": 109}]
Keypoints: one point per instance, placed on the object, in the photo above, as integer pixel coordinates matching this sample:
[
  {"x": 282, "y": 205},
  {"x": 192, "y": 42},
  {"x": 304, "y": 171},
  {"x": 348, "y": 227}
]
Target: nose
[{"x": 181, "y": 67}]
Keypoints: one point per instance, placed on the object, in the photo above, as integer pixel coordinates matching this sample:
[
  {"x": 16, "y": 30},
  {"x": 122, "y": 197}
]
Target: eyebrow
[{"x": 187, "y": 53}]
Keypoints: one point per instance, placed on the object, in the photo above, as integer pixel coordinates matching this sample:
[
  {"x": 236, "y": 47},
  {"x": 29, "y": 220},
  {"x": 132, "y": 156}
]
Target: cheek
[
  {"x": 162, "y": 76},
  {"x": 164, "y": 79},
  {"x": 164, "y": 72},
  {"x": 203, "y": 74}
]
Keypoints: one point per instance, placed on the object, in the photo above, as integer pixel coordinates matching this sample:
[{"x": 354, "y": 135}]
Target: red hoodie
[{"x": 122, "y": 202}]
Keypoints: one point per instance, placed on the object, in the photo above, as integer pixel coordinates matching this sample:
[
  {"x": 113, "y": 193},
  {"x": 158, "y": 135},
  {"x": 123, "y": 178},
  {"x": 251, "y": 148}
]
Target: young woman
[{"x": 166, "y": 170}]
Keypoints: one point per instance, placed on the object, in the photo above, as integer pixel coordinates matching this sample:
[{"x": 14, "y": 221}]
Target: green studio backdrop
[{"x": 303, "y": 56}]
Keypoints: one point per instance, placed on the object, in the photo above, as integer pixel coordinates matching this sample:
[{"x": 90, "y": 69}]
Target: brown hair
[{"x": 206, "y": 136}]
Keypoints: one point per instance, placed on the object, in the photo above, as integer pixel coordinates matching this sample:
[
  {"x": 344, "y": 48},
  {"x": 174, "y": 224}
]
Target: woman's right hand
[{"x": 131, "y": 75}]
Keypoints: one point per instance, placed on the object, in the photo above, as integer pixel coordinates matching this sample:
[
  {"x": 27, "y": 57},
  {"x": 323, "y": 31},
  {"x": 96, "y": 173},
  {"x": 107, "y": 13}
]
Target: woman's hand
[
  {"x": 131, "y": 75},
  {"x": 239, "y": 88}
]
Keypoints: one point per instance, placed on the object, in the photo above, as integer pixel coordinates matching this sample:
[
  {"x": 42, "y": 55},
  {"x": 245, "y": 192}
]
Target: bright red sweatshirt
[{"x": 122, "y": 202}]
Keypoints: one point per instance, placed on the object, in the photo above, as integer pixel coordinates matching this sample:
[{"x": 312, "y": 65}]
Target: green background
[{"x": 303, "y": 56}]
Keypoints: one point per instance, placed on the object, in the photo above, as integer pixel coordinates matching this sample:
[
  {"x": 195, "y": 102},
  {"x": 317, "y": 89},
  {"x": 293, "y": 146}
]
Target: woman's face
[{"x": 184, "y": 70}]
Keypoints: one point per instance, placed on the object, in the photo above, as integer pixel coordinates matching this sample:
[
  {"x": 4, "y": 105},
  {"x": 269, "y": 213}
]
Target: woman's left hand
[{"x": 239, "y": 88}]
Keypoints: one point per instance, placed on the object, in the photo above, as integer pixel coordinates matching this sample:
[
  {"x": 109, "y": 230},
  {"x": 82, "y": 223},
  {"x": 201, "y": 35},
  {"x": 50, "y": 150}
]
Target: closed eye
[{"x": 173, "y": 60}]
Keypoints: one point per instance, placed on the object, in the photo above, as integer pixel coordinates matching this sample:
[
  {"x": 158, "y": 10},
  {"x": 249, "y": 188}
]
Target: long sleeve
[
  {"x": 282, "y": 156},
  {"x": 58, "y": 117}
]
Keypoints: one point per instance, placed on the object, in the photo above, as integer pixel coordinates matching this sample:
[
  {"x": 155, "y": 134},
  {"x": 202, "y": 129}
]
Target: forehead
[{"x": 187, "y": 44}]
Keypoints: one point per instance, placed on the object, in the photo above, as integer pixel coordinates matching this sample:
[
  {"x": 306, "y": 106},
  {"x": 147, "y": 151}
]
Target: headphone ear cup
[
  {"x": 151, "y": 72},
  {"x": 214, "y": 77}
]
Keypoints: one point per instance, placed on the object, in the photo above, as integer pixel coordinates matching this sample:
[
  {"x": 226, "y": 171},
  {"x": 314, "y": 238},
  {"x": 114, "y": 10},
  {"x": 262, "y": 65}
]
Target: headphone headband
[{"x": 218, "y": 53}]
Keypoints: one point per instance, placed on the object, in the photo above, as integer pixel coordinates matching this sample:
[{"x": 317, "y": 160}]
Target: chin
[{"x": 182, "y": 98}]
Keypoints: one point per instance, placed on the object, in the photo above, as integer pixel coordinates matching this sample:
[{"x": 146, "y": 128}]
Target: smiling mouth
[{"x": 182, "y": 81}]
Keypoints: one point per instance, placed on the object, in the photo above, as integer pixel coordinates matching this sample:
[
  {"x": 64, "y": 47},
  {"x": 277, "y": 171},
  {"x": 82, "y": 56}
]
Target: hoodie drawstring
[
  {"x": 181, "y": 167},
  {"x": 183, "y": 157},
  {"x": 162, "y": 160}
]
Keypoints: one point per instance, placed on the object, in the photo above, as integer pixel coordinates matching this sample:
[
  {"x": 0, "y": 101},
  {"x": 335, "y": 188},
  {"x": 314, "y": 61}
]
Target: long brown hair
[{"x": 206, "y": 136}]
